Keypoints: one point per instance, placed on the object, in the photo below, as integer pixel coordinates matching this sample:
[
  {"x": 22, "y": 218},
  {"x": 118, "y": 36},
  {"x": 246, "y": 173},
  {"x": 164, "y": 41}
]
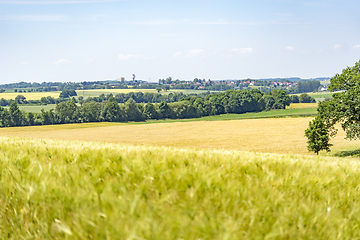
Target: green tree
[
  {"x": 150, "y": 111},
  {"x": 91, "y": 111},
  {"x": 113, "y": 113},
  {"x": 282, "y": 99},
  {"x": 5, "y": 120},
  {"x": 20, "y": 99},
  {"x": 306, "y": 98},
  {"x": 16, "y": 115},
  {"x": 166, "y": 87},
  {"x": 31, "y": 118},
  {"x": 67, "y": 93},
  {"x": 344, "y": 107},
  {"x": 294, "y": 98},
  {"x": 318, "y": 136},
  {"x": 165, "y": 110},
  {"x": 68, "y": 112},
  {"x": 132, "y": 111},
  {"x": 269, "y": 102},
  {"x": 158, "y": 89}
]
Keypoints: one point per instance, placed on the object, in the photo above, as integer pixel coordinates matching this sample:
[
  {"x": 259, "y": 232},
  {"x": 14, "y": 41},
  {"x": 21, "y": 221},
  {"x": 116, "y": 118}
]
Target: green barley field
[
  {"x": 52, "y": 189},
  {"x": 129, "y": 189}
]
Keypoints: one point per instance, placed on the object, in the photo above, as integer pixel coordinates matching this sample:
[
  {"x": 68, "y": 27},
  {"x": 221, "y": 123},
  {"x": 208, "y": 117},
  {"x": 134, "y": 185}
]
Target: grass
[
  {"x": 37, "y": 109},
  {"x": 79, "y": 190}
]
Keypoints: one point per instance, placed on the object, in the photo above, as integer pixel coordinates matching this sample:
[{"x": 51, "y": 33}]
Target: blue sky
[{"x": 78, "y": 40}]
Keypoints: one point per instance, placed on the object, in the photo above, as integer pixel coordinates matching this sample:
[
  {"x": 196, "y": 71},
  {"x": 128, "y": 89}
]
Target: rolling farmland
[
  {"x": 205, "y": 178},
  {"x": 273, "y": 135},
  {"x": 53, "y": 189}
]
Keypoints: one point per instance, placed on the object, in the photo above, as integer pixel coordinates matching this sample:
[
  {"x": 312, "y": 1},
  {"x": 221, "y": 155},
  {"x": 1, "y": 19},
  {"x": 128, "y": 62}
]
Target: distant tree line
[
  {"x": 306, "y": 86},
  {"x": 231, "y": 101},
  {"x": 303, "y": 98},
  {"x": 140, "y": 97}
]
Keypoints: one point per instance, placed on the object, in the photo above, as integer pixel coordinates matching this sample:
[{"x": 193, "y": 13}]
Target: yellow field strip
[
  {"x": 30, "y": 95},
  {"x": 273, "y": 135},
  {"x": 302, "y": 105}
]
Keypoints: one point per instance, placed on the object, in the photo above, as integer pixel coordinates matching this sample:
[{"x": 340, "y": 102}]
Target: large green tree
[{"x": 344, "y": 107}]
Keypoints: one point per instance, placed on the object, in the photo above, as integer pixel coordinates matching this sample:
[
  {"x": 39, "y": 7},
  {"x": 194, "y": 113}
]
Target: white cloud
[
  {"x": 125, "y": 57},
  {"x": 61, "y": 61},
  {"x": 33, "y": 2},
  {"x": 357, "y": 46},
  {"x": 243, "y": 50},
  {"x": 289, "y": 48},
  {"x": 194, "y": 52},
  {"x": 25, "y": 63},
  {"x": 36, "y": 18},
  {"x": 177, "y": 54},
  {"x": 337, "y": 46}
]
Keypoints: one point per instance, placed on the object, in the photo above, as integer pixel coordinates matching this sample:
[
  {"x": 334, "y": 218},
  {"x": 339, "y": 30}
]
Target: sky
[{"x": 86, "y": 40}]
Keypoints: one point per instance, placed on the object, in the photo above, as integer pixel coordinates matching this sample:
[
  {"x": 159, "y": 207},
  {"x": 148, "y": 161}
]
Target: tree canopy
[{"x": 344, "y": 107}]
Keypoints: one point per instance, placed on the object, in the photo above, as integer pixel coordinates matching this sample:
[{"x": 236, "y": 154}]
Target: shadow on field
[{"x": 353, "y": 153}]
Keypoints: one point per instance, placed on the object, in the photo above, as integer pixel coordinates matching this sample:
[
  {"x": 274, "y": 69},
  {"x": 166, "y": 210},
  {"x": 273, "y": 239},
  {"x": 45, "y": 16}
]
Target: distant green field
[
  {"x": 280, "y": 113},
  {"x": 322, "y": 95},
  {"x": 319, "y": 96},
  {"x": 37, "y": 109}
]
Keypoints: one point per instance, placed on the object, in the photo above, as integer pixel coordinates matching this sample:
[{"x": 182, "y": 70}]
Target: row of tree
[
  {"x": 140, "y": 97},
  {"x": 232, "y": 101},
  {"x": 303, "y": 98},
  {"x": 305, "y": 86}
]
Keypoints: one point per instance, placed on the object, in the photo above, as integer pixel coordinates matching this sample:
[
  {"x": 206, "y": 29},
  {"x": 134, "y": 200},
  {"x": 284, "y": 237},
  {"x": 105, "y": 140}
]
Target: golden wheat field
[
  {"x": 272, "y": 135},
  {"x": 30, "y": 95},
  {"x": 302, "y": 105}
]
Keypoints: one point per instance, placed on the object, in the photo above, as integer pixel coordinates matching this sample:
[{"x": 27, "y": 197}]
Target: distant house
[{"x": 324, "y": 88}]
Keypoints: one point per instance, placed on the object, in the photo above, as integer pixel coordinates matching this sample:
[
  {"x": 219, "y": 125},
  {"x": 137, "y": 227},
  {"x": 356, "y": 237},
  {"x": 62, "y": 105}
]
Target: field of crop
[
  {"x": 90, "y": 93},
  {"x": 233, "y": 176},
  {"x": 273, "y": 135},
  {"x": 30, "y": 95},
  {"x": 37, "y": 108},
  {"x": 80, "y": 190},
  {"x": 302, "y": 105},
  {"x": 320, "y": 96}
]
